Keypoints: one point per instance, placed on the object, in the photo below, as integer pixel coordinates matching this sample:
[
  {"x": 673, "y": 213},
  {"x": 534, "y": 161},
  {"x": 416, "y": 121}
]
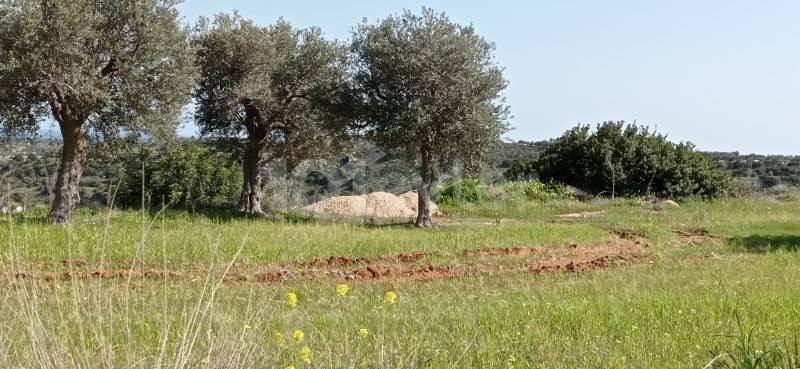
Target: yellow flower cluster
[
  {"x": 291, "y": 299},
  {"x": 278, "y": 338},
  {"x": 390, "y": 297},
  {"x": 510, "y": 362},
  {"x": 305, "y": 354},
  {"x": 342, "y": 290},
  {"x": 298, "y": 336}
]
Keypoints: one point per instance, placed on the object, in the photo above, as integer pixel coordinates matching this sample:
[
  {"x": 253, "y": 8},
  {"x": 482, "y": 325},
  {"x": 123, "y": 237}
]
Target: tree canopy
[
  {"x": 619, "y": 159},
  {"x": 430, "y": 89},
  {"x": 107, "y": 67},
  {"x": 281, "y": 87},
  {"x": 185, "y": 175}
]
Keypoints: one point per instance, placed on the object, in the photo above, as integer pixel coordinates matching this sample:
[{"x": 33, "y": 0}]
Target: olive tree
[
  {"x": 99, "y": 68},
  {"x": 279, "y": 88},
  {"x": 431, "y": 90}
]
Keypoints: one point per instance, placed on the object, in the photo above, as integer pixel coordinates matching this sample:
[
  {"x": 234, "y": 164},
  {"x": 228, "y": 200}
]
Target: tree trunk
[
  {"x": 66, "y": 194},
  {"x": 250, "y": 200},
  {"x": 424, "y": 219}
]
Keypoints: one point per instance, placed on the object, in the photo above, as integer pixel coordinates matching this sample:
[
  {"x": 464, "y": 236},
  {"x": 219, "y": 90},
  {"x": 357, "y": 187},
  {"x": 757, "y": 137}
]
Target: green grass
[
  {"x": 683, "y": 308},
  {"x": 178, "y": 239}
]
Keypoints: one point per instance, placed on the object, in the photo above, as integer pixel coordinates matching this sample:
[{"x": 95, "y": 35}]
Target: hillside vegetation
[{"x": 26, "y": 166}]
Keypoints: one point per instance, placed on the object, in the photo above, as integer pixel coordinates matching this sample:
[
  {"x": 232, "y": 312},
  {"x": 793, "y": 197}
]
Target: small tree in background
[
  {"x": 184, "y": 175},
  {"x": 107, "y": 67},
  {"x": 431, "y": 90},
  {"x": 278, "y": 86},
  {"x": 620, "y": 159}
]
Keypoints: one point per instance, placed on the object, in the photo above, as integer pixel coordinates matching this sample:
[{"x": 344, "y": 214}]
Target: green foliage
[
  {"x": 769, "y": 170},
  {"x": 629, "y": 160},
  {"x": 535, "y": 191},
  {"x": 472, "y": 191},
  {"x": 281, "y": 86},
  {"x": 187, "y": 175},
  {"x": 462, "y": 191},
  {"x": 431, "y": 89},
  {"x": 99, "y": 68},
  {"x": 121, "y": 66},
  {"x": 521, "y": 169}
]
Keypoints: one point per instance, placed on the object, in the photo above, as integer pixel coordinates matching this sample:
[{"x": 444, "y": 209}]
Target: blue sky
[{"x": 724, "y": 74}]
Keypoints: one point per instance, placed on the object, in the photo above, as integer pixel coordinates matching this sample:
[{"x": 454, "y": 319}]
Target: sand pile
[
  {"x": 376, "y": 205},
  {"x": 411, "y": 200}
]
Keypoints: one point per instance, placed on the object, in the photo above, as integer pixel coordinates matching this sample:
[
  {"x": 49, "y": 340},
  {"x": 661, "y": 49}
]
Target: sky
[{"x": 724, "y": 74}]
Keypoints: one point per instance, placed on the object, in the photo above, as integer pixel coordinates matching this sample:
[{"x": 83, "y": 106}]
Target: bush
[
  {"x": 461, "y": 191},
  {"x": 538, "y": 191},
  {"x": 521, "y": 169},
  {"x": 187, "y": 175},
  {"x": 473, "y": 191},
  {"x": 629, "y": 160}
]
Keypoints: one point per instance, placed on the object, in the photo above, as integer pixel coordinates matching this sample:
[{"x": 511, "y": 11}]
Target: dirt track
[{"x": 623, "y": 249}]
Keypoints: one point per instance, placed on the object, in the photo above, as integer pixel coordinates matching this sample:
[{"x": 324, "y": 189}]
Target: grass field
[{"x": 498, "y": 286}]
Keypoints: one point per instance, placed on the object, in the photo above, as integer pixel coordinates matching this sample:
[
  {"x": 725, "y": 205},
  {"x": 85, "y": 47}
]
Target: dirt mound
[
  {"x": 585, "y": 214},
  {"x": 695, "y": 237},
  {"x": 376, "y": 204},
  {"x": 420, "y": 266},
  {"x": 412, "y": 201}
]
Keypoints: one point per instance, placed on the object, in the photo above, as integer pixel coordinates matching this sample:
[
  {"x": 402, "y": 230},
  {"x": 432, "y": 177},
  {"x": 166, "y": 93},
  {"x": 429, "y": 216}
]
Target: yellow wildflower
[
  {"x": 298, "y": 336},
  {"x": 247, "y": 327},
  {"x": 305, "y": 354},
  {"x": 342, "y": 290},
  {"x": 291, "y": 299},
  {"x": 510, "y": 362},
  {"x": 390, "y": 297},
  {"x": 278, "y": 337},
  {"x": 363, "y": 332},
  {"x": 290, "y": 367}
]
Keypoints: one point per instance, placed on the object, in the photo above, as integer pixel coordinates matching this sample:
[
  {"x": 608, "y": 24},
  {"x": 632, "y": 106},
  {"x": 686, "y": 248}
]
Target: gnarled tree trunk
[
  {"x": 67, "y": 188},
  {"x": 250, "y": 200},
  {"x": 427, "y": 175}
]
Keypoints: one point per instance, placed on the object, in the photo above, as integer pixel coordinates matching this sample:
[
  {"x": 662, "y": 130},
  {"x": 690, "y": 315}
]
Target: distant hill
[{"x": 766, "y": 170}]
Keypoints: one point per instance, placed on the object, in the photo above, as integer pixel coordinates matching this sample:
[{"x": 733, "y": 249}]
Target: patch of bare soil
[
  {"x": 344, "y": 261},
  {"x": 694, "y": 237},
  {"x": 539, "y": 260},
  {"x": 585, "y": 214},
  {"x": 632, "y": 236},
  {"x": 623, "y": 249}
]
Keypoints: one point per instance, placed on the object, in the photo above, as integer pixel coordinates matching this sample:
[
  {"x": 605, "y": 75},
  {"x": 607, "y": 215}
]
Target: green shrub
[
  {"x": 629, "y": 160},
  {"x": 521, "y": 169},
  {"x": 539, "y": 191},
  {"x": 531, "y": 191},
  {"x": 187, "y": 175},
  {"x": 473, "y": 191},
  {"x": 461, "y": 191}
]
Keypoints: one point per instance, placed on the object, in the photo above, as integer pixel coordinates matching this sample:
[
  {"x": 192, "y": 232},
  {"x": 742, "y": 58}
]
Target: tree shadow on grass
[
  {"x": 294, "y": 217},
  {"x": 222, "y": 216},
  {"x": 26, "y": 219},
  {"x": 767, "y": 243}
]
